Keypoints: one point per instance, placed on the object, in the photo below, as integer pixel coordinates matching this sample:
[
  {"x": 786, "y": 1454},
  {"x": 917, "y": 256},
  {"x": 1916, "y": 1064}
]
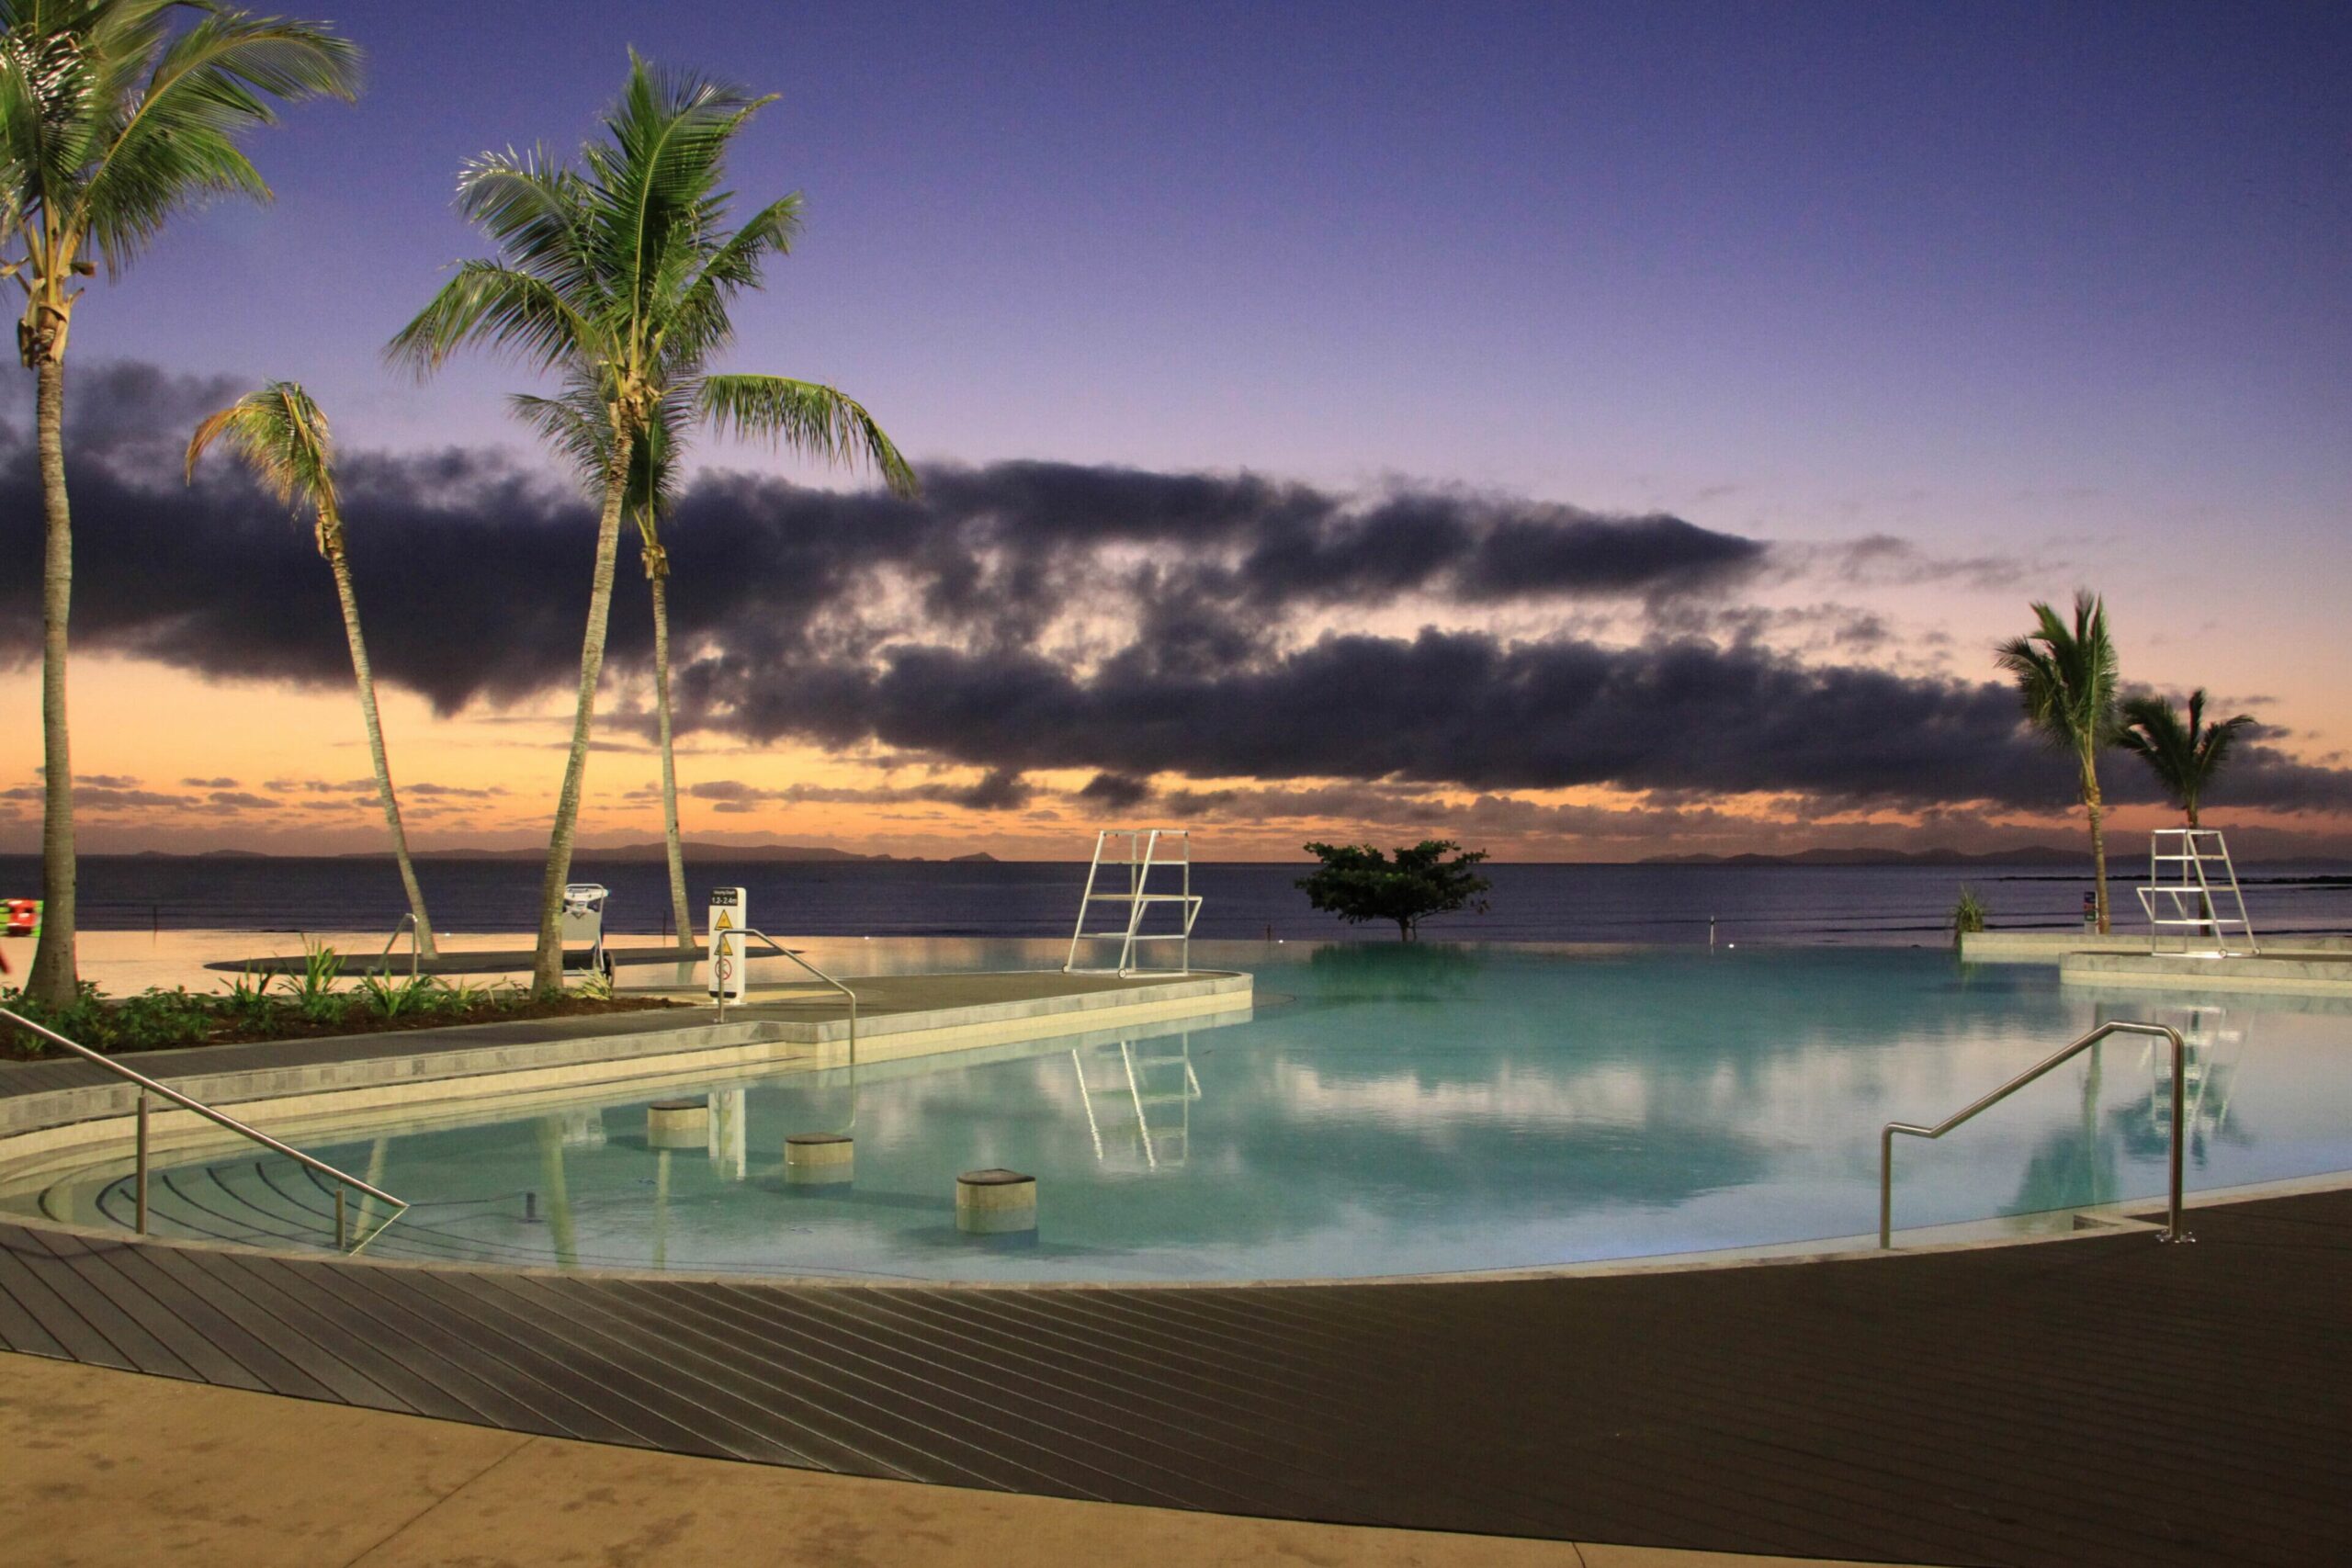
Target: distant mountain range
[
  {"x": 626, "y": 853},
  {"x": 2030, "y": 854}
]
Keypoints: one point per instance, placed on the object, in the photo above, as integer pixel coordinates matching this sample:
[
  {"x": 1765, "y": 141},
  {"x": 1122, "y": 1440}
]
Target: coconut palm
[
  {"x": 2186, "y": 757},
  {"x": 574, "y": 425},
  {"x": 2067, "y": 675},
  {"x": 111, "y": 123},
  {"x": 618, "y": 273},
  {"x": 284, "y": 439}
]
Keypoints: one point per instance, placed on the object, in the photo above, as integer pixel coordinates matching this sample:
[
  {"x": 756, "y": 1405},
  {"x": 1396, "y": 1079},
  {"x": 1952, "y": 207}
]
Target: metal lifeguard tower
[
  {"x": 1125, "y": 881},
  {"x": 2184, "y": 891}
]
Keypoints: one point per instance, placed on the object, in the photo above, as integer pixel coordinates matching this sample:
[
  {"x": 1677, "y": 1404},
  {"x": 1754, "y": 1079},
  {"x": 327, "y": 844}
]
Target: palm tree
[
  {"x": 619, "y": 273},
  {"x": 573, "y": 424},
  {"x": 284, "y": 438},
  {"x": 2185, "y": 757},
  {"x": 2066, "y": 676},
  {"x": 110, "y": 124}
]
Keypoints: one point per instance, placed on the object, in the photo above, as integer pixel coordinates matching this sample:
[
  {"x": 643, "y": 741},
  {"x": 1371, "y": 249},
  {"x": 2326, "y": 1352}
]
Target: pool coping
[{"x": 39, "y": 1126}]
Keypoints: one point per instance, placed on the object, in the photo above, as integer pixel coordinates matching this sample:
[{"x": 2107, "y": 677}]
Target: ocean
[{"x": 1897, "y": 905}]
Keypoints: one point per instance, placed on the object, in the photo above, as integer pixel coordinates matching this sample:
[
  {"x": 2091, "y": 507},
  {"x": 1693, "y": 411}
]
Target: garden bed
[{"x": 177, "y": 1019}]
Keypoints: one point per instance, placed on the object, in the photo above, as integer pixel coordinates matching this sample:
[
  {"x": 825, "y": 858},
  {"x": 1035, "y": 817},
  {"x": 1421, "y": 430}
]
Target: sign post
[{"x": 729, "y": 917}]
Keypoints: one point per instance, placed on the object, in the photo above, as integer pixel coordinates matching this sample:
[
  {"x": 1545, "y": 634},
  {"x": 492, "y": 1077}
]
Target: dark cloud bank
[{"x": 1028, "y": 616}]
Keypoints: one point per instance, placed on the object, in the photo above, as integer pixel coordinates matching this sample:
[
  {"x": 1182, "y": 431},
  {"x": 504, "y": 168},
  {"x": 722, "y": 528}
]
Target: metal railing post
[
  {"x": 746, "y": 933},
  {"x": 2173, "y": 1214},
  {"x": 143, "y": 1162},
  {"x": 148, "y": 1086}
]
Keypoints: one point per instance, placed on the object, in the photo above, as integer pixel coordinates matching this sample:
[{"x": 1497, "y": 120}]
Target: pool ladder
[
  {"x": 346, "y": 1183},
  {"x": 2173, "y": 1231}
]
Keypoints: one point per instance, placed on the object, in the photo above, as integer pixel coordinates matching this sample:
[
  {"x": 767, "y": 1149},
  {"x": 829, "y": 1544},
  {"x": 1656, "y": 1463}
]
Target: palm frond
[
  {"x": 2067, "y": 674},
  {"x": 501, "y": 307},
  {"x": 283, "y": 437},
  {"x": 807, "y": 417},
  {"x": 173, "y": 143},
  {"x": 2186, "y": 756}
]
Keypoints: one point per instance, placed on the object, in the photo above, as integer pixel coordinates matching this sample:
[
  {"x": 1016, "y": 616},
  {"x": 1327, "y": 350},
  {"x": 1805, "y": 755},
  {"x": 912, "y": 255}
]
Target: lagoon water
[{"x": 1883, "y": 905}]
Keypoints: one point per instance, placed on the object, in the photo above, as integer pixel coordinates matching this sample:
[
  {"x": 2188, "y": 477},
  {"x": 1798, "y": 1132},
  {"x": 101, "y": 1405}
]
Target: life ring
[{"x": 23, "y": 917}]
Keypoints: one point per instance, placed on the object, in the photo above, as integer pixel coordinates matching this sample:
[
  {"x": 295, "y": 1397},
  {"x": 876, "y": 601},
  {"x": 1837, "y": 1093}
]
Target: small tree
[
  {"x": 2184, "y": 756},
  {"x": 2066, "y": 677},
  {"x": 1358, "y": 883}
]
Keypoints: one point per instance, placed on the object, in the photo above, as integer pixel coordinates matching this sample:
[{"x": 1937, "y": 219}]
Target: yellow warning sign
[{"x": 723, "y": 923}]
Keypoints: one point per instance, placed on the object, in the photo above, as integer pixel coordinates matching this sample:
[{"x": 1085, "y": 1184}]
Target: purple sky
[
  {"x": 2052, "y": 293},
  {"x": 1537, "y": 247}
]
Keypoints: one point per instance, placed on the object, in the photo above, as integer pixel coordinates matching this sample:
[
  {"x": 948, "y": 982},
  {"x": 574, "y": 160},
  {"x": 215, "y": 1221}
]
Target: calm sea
[{"x": 1897, "y": 905}]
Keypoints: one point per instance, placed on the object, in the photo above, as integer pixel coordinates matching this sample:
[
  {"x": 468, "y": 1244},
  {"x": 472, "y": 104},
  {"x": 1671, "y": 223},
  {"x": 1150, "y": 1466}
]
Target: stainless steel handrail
[
  {"x": 721, "y": 941},
  {"x": 1886, "y": 1135},
  {"x": 415, "y": 946},
  {"x": 148, "y": 1086}
]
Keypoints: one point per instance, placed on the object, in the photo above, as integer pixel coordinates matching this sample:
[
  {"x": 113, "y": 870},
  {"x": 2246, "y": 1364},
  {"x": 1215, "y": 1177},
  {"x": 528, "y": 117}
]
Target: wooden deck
[{"x": 2104, "y": 1400}]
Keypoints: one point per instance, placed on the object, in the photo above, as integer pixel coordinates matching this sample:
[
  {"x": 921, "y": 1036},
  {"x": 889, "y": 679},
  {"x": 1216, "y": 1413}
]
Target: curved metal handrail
[
  {"x": 1886, "y": 1135},
  {"x": 721, "y": 941},
  {"x": 415, "y": 946},
  {"x": 148, "y": 1086}
]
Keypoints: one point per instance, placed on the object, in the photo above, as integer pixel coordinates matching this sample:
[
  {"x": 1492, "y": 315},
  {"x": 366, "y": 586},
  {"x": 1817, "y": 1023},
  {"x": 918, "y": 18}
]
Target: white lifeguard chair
[
  {"x": 2183, "y": 894},
  {"x": 1166, "y": 850}
]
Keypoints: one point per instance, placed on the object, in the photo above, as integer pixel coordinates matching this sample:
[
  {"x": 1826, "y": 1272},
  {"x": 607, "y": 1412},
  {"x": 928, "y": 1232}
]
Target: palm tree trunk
[
  {"x": 671, "y": 841},
  {"x": 2096, "y": 809},
  {"x": 364, "y": 678},
  {"x": 546, "y": 972},
  {"x": 55, "y": 980}
]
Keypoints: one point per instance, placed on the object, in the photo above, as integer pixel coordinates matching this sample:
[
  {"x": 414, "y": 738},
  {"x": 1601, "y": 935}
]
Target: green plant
[
  {"x": 83, "y": 1019},
  {"x": 392, "y": 996},
  {"x": 2066, "y": 678},
  {"x": 158, "y": 1020},
  {"x": 619, "y": 272},
  {"x": 314, "y": 994},
  {"x": 1359, "y": 883},
  {"x": 1968, "y": 915}
]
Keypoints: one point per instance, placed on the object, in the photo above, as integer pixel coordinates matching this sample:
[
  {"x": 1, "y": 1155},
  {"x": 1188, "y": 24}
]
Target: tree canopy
[
  {"x": 2185, "y": 755},
  {"x": 1359, "y": 883}
]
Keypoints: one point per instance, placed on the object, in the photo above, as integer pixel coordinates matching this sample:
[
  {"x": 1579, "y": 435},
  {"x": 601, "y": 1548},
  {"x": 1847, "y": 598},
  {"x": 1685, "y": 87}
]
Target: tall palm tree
[
  {"x": 111, "y": 123},
  {"x": 573, "y": 424},
  {"x": 618, "y": 273},
  {"x": 2185, "y": 757},
  {"x": 284, "y": 439},
  {"x": 2067, "y": 675}
]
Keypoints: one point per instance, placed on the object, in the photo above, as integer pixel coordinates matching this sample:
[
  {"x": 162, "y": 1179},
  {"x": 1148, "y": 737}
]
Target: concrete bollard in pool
[
  {"x": 995, "y": 1203},
  {"x": 677, "y": 1124},
  {"x": 819, "y": 1159}
]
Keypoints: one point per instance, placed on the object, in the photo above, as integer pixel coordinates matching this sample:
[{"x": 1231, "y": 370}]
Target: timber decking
[{"x": 2099, "y": 1400}]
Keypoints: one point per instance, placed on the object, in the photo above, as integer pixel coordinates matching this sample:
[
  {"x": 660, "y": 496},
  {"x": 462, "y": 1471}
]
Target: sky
[{"x": 1585, "y": 432}]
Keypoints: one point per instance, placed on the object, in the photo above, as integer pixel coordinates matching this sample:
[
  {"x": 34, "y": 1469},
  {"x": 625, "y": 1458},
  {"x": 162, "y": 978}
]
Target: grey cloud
[{"x": 1026, "y": 616}]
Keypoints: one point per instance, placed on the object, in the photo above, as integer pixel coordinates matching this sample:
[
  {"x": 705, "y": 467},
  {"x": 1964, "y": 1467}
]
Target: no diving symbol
[{"x": 725, "y": 970}]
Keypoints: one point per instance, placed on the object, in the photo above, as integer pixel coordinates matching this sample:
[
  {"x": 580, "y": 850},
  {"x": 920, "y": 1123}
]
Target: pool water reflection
[{"x": 1387, "y": 1109}]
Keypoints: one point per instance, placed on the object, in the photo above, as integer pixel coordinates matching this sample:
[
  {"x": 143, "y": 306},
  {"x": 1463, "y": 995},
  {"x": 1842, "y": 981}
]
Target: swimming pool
[{"x": 1387, "y": 1109}]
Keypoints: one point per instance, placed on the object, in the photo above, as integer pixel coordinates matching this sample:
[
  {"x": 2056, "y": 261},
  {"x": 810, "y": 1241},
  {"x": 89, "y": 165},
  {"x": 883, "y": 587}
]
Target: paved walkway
[
  {"x": 2102, "y": 1400},
  {"x": 108, "y": 1468}
]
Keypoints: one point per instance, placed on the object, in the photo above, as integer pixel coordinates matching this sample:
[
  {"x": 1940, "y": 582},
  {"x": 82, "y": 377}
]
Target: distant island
[
  {"x": 2030, "y": 854},
  {"x": 705, "y": 853}
]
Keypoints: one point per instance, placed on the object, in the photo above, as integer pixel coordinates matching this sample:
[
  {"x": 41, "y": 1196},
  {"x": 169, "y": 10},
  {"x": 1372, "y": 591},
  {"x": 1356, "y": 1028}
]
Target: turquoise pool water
[{"x": 1386, "y": 1110}]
